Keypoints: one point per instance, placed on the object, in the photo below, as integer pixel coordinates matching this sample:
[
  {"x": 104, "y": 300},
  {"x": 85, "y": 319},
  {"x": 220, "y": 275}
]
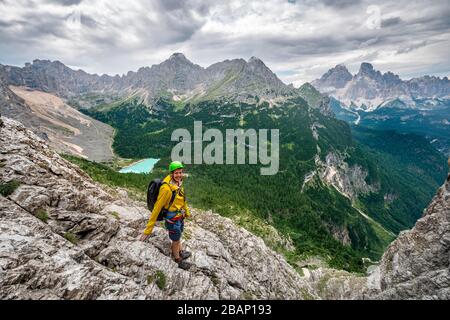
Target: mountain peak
[
  {"x": 366, "y": 68},
  {"x": 256, "y": 64},
  {"x": 340, "y": 67},
  {"x": 177, "y": 55},
  {"x": 308, "y": 86},
  {"x": 336, "y": 77},
  {"x": 254, "y": 59}
]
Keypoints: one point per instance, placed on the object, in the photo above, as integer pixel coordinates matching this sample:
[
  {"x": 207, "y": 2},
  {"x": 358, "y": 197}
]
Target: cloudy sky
[{"x": 298, "y": 39}]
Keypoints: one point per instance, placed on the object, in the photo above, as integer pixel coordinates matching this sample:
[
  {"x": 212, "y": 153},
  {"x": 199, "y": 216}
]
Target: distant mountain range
[
  {"x": 386, "y": 102},
  {"x": 350, "y": 97},
  {"x": 250, "y": 81},
  {"x": 176, "y": 77},
  {"x": 369, "y": 89}
]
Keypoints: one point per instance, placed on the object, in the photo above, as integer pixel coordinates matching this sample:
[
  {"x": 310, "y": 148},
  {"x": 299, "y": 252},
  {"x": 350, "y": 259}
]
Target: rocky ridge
[
  {"x": 65, "y": 237},
  {"x": 177, "y": 78},
  {"x": 417, "y": 264}
]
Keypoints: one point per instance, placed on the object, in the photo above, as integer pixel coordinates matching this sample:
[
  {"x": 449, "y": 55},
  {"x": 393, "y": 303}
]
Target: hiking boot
[
  {"x": 185, "y": 254},
  {"x": 184, "y": 265}
]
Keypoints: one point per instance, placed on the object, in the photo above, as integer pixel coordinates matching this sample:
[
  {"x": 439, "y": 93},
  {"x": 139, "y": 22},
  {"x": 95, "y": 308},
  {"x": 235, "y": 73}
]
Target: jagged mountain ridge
[
  {"x": 176, "y": 77},
  {"x": 369, "y": 88},
  {"x": 181, "y": 80}
]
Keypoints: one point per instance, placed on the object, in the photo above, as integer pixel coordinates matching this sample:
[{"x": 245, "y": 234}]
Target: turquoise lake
[{"x": 142, "y": 166}]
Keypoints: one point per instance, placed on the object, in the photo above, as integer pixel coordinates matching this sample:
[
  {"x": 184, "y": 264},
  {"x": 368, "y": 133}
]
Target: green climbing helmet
[{"x": 174, "y": 165}]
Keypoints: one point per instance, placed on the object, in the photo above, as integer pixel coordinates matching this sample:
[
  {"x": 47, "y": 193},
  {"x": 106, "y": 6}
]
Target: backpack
[{"x": 152, "y": 196}]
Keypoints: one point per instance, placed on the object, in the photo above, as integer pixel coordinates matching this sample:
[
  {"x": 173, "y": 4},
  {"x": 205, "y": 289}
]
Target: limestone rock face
[
  {"x": 417, "y": 264},
  {"x": 336, "y": 77},
  {"x": 349, "y": 180},
  {"x": 65, "y": 237}
]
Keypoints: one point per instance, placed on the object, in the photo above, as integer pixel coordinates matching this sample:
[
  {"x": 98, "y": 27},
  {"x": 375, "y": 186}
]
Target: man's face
[{"x": 177, "y": 175}]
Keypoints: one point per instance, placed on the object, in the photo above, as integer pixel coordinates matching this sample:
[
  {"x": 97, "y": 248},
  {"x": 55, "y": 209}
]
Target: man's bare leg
[{"x": 176, "y": 248}]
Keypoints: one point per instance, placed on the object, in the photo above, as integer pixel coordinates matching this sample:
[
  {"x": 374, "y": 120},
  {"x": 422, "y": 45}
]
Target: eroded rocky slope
[{"x": 65, "y": 237}]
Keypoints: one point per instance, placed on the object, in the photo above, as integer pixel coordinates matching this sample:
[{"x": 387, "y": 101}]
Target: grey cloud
[
  {"x": 7, "y": 24},
  {"x": 185, "y": 6},
  {"x": 412, "y": 47},
  {"x": 172, "y": 4},
  {"x": 178, "y": 19},
  {"x": 65, "y": 2},
  {"x": 338, "y": 4},
  {"x": 390, "y": 22},
  {"x": 88, "y": 21},
  {"x": 431, "y": 20},
  {"x": 33, "y": 26},
  {"x": 309, "y": 46},
  {"x": 369, "y": 42},
  {"x": 178, "y": 24},
  {"x": 341, "y": 4}
]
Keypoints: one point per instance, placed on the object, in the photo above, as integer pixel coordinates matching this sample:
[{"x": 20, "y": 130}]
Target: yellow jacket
[{"x": 164, "y": 196}]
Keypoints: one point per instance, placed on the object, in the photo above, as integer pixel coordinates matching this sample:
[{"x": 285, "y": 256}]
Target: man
[{"x": 174, "y": 217}]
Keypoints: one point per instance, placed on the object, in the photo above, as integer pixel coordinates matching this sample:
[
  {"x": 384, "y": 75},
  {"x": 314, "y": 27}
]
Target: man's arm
[
  {"x": 163, "y": 198},
  {"x": 187, "y": 213}
]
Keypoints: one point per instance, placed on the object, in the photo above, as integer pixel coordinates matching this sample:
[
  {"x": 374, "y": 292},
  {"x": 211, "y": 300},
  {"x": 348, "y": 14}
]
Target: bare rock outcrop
[{"x": 417, "y": 264}]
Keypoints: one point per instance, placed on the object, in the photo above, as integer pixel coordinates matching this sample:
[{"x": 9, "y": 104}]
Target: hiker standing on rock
[{"x": 171, "y": 206}]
